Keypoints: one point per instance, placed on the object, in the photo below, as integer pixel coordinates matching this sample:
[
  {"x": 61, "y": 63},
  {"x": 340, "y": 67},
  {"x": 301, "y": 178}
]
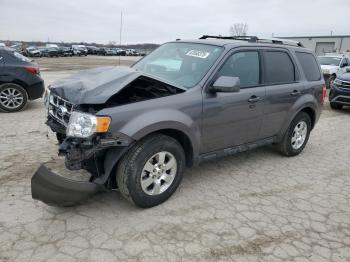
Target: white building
[{"x": 324, "y": 44}]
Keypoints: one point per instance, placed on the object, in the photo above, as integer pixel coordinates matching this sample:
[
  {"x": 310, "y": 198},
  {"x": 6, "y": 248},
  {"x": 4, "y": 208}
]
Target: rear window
[
  {"x": 309, "y": 65},
  {"x": 21, "y": 57},
  {"x": 279, "y": 68}
]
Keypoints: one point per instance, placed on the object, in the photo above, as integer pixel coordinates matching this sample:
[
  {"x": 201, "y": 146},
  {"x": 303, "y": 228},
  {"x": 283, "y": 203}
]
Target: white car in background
[
  {"x": 2, "y": 45},
  {"x": 333, "y": 65}
]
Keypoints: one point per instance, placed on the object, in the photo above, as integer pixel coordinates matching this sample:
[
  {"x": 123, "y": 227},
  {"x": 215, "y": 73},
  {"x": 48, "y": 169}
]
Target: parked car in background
[
  {"x": 33, "y": 51},
  {"x": 333, "y": 65},
  {"x": 136, "y": 129},
  {"x": 339, "y": 95},
  {"x": 131, "y": 52},
  {"x": 109, "y": 51},
  {"x": 65, "y": 51},
  {"x": 121, "y": 52},
  {"x": 80, "y": 49},
  {"x": 20, "y": 81},
  {"x": 92, "y": 50},
  {"x": 2, "y": 45},
  {"x": 49, "y": 51}
]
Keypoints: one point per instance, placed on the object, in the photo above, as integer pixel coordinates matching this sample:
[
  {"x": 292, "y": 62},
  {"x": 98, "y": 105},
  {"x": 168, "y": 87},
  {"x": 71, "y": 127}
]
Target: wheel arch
[
  {"x": 183, "y": 140},
  {"x": 312, "y": 114},
  {"x": 308, "y": 108}
]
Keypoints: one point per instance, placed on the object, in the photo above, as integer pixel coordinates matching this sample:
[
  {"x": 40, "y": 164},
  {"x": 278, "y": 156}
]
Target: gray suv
[{"x": 137, "y": 128}]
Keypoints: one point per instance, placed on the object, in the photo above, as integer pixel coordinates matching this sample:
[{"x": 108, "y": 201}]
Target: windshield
[
  {"x": 184, "y": 64},
  {"x": 329, "y": 60}
]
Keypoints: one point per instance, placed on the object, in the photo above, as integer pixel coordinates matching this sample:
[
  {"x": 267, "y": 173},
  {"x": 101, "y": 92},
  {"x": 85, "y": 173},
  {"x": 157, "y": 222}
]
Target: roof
[{"x": 236, "y": 43}]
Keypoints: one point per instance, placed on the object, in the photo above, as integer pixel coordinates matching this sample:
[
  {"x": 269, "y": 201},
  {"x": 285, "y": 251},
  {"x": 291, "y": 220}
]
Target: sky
[{"x": 159, "y": 21}]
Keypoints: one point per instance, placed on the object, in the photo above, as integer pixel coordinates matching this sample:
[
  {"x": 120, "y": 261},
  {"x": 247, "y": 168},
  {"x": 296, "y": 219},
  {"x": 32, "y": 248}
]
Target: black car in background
[
  {"x": 92, "y": 50},
  {"x": 20, "y": 80},
  {"x": 65, "y": 51},
  {"x": 339, "y": 95},
  {"x": 49, "y": 51}
]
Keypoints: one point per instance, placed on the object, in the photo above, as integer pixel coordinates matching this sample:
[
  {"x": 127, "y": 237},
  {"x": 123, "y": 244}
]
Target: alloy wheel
[
  {"x": 11, "y": 98},
  {"x": 158, "y": 173},
  {"x": 299, "y": 135}
]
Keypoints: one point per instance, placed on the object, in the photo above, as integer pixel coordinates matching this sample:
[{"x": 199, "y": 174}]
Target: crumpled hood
[{"x": 94, "y": 86}]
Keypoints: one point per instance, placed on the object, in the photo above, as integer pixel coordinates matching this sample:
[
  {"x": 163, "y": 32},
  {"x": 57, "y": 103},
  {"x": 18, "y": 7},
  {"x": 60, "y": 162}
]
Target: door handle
[
  {"x": 254, "y": 99},
  {"x": 295, "y": 93}
]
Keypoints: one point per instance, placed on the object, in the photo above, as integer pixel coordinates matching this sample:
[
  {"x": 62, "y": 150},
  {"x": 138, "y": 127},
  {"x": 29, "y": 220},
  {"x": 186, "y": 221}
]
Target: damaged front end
[{"x": 84, "y": 136}]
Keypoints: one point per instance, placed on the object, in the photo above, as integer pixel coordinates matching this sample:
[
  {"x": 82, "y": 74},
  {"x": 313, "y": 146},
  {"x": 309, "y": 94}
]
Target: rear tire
[
  {"x": 336, "y": 106},
  {"x": 297, "y": 135},
  {"x": 13, "y": 97},
  {"x": 150, "y": 188}
]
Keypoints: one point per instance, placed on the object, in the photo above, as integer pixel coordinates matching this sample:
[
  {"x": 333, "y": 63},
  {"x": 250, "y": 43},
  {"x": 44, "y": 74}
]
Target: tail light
[
  {"x": 324, "y": 93},
  {"x": 32, "y": 69}
]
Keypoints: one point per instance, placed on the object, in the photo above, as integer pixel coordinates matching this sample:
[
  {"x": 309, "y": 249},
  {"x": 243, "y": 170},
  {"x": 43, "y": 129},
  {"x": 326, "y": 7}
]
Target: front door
[{"x": 231, "y": 119}]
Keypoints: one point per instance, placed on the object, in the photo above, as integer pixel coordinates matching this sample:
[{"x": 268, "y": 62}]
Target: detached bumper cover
[{"x": 53, "y": 189}]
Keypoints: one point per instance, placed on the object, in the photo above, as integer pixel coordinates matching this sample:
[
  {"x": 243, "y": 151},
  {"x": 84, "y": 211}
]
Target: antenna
[{"x": 120, "y": 33}]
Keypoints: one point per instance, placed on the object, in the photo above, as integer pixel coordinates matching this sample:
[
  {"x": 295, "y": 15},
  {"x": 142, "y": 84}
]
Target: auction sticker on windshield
[{"x": 198, "y": 53}]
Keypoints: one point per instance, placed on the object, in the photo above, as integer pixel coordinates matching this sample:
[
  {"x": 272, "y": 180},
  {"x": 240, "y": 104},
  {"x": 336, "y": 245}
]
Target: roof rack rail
[{"x": 255, "y": 39}]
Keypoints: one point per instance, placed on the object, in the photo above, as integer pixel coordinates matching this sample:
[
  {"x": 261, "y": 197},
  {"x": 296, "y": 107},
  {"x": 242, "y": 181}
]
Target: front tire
[
  {"x": 151, "y": 171},
  {"x": 13, "y": 97},
  {"x": 297, "y": 135}
]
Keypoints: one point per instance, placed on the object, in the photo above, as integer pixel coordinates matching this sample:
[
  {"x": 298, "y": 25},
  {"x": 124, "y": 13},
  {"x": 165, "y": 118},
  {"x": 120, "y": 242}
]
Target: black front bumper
[
  {"x": 53, "y": 189},
  {"x": 339, "y": 95}
]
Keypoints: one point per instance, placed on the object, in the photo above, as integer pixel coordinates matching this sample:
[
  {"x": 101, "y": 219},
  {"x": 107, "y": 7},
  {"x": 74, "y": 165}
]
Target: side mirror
[
  {"x": 344, "y": 65},
  {"x": 226, "y": 84},
  {"x": 348, "y": 69}
]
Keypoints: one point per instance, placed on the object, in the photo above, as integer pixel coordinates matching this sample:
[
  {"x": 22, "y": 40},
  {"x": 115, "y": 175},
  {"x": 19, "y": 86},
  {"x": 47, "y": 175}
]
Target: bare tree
[{"x": 239, "y": 29}]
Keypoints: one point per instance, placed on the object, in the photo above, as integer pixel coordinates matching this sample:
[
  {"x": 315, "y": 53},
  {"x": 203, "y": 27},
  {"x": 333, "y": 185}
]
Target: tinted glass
[
  {"x": 309, "y": 66},
  {"x": 21, "y": 57},
  {"x": 244, "y": 65},
  {"x": 184, "y": 64},
  {"x": 279, "y": 68}
]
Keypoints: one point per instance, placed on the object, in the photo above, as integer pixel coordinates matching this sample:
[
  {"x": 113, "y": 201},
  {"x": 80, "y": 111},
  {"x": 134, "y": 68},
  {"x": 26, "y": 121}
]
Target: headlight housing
[{"x": 84, "y": 125}]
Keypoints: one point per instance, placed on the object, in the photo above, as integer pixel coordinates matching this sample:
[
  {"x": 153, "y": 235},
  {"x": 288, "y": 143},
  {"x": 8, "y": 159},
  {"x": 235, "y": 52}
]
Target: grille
[
  {"x": 343, "y": 99},
  {"x": 342, "y": 84},
  {"x": 60, "y": 109}
]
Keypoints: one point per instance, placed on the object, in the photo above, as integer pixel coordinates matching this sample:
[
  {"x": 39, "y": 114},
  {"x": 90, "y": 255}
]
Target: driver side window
[{"x": 244, "y": 65}]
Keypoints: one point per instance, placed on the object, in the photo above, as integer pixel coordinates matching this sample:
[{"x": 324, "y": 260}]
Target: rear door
[
  {"x": 231, "y": 119},
  {"x": 283, "y": 88}
]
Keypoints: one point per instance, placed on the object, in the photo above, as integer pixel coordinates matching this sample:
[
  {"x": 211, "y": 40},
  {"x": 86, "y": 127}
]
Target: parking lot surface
[{"x": 255, "y": 206}]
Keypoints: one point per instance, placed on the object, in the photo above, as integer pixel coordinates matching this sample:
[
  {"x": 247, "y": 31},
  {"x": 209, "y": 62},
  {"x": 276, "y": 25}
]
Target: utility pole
[
  {"x": 120, "y": 33},
  {"x": 331, "y": 32}
]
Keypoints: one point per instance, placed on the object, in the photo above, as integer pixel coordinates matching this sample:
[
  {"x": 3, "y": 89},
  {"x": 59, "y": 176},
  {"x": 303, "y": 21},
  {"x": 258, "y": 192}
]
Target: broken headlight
[{"x": 84, "y": 125}]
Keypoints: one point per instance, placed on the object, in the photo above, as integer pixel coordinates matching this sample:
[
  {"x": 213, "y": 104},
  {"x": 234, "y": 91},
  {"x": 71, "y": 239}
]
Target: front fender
[{"x": 159, "y": 119}]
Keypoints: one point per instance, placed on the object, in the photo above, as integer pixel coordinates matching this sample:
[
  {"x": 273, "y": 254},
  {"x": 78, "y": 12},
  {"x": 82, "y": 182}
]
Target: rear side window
[
  {"x": 279, "y": 68},
  {"x": 309, "y": 66}
]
